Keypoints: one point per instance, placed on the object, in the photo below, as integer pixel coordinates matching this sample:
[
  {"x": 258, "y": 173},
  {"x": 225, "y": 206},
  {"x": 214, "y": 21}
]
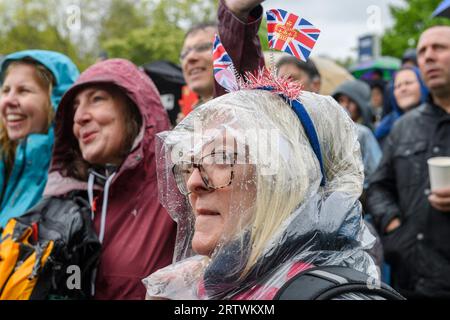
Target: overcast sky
[{"x": 341, "y": 21}]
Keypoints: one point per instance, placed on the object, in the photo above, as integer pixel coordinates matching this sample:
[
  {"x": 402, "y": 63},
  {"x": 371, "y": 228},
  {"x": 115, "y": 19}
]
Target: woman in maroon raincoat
[{"x": 106, "y": 126}]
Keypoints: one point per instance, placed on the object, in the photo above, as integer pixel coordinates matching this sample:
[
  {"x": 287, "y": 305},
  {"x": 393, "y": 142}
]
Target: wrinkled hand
[
  {"x": 440, "y": 199},
  {"x": 242, "y": 8}
]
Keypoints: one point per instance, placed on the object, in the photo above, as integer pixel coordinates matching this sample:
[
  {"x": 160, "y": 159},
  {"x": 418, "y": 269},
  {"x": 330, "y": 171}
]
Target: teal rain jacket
[{"x": 26, "y": 183}]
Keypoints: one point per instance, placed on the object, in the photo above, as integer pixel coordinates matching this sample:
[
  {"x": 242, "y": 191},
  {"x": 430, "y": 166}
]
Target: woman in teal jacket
[{"x": 33, "y": 83}]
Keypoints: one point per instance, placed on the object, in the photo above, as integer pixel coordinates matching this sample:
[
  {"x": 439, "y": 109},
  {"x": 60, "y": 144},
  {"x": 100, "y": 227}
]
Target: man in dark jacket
[{"x": 414, "y": 222}]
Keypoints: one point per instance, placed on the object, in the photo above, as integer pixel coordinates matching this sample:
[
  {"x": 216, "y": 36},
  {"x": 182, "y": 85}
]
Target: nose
[
  {"x": 400, "y": 87},
  {"x": 192, "y": 56},
  {"x": 428, "y": 54},
  {"x": 82, "y": 115},
  {"x": 195, "y": 183},
  {"x": 8, "y": 99},
  {"x": 345, "y": 105}
]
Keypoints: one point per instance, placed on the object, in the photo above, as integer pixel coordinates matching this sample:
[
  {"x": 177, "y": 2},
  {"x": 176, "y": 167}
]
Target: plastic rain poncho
[{"x": 274, "y": 217}]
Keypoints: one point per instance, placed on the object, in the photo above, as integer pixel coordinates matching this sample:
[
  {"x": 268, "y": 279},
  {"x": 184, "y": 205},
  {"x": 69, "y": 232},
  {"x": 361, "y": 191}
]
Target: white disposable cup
[{"x": 439, "y": 169}]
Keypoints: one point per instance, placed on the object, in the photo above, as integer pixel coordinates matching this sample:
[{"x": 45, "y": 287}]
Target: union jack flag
[
  {"x": 287, "y": 32},
  {"x": 223, "y": 66}
]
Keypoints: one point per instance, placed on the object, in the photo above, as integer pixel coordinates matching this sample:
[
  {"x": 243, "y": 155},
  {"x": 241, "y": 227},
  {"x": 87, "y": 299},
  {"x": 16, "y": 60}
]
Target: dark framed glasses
[
  {"x": 216, "y": 170},
  {"x": 199, "y": 48}
]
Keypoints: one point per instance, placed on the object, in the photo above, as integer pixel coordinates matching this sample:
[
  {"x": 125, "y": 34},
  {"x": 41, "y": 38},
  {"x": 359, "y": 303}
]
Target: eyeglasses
[
  {"x": 216, "y": 171},
  {"x": 198, "y": 48}
]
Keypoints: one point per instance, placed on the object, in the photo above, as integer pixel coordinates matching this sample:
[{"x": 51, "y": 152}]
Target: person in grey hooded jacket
[{"x": 354, "y": 96}]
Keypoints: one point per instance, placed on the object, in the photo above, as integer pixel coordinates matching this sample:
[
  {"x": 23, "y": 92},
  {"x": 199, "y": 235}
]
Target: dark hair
[
  {"x": 410, "y": 54},
  {"x": 200, "y": 26},
  {"x": 309, "y": 67},
  {"x": 380, "y": 84},
  {"x": 378, "y": 72},
  {"x": 74, "y": 164}
]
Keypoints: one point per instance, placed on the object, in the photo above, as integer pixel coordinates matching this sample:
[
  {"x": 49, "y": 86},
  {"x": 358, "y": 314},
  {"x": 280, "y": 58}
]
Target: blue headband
[{"x": 307, "y": 124}]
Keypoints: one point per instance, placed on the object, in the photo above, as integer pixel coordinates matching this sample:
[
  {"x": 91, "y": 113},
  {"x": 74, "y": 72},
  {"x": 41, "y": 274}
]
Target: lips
[
  {"x": 88, "y": 137},
  {"x": 432, "y": 73},
  {"x": 406, "y": 96},
  {"x": 206, "y": 212},
  {"x": 195, "y": 71},
  {"x": 207, "y": 221},
  {"x": 15, "y": 118},
  {"x": 406, "y": 99}
]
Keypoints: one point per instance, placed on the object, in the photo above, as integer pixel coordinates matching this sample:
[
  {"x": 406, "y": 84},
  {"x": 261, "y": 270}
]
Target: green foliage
[
  {"x": 410, "y": 22},
  {"x": 139, "y": 30},
  {"x": 32, "y": 27},
  {"x": 146, "y": 45},
  {"x": 123, "y": 18},
  {"x": 156, "y": 31},
  {"x": 185, "y": 13}
]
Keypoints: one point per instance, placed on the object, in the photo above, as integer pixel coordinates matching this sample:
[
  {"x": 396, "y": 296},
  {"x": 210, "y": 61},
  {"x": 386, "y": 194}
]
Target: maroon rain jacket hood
[{"x": 139, "y": 234}]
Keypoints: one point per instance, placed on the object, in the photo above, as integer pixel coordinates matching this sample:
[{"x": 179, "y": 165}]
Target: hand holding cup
[{"x": 439, "y": 170}]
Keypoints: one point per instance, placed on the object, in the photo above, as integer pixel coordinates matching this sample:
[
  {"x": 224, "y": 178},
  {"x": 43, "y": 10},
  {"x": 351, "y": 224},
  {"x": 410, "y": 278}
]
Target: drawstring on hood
[{"x": 106, "y": 179}]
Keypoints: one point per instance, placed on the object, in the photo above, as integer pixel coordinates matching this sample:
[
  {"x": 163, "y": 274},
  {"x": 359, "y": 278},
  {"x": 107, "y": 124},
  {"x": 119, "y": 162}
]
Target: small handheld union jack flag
[
  {"x": 223, "y": 67},
  {"x": 287, "y": 32}
]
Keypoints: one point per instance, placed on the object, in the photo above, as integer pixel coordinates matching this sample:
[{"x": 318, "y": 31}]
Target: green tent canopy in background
[{"x": 387, "y": 65}]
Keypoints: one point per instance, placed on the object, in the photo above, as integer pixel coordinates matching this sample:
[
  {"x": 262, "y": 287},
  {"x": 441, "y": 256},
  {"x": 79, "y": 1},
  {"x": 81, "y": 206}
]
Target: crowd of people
[{"x": 247, "y": 195}]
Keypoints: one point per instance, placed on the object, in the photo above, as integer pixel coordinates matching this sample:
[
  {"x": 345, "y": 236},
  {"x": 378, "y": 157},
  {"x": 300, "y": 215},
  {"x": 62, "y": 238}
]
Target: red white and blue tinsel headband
[{"x": 227, "y": 76}]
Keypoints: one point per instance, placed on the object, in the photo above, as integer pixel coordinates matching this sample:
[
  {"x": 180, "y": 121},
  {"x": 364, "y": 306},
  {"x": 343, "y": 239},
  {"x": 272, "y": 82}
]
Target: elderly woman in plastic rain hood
[{"x": 256, "y": 208}]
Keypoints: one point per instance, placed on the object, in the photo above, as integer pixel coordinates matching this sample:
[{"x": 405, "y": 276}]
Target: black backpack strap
[
  {"x": 65, "y": 220},
  {"x": 328, "y": 282}
]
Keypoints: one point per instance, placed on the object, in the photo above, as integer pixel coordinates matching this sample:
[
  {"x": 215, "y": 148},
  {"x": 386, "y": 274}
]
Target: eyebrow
[
  {"x": 22, "y": 83},
  {"x": 89, "y": 93}
]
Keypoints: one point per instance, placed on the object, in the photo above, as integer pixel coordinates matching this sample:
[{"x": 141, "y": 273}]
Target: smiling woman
[
  {"x": 104, "y": 153},
  {"x": 98, "y": 124},
  {"x": 32, "y": 85},
  {"x": 408, "y": 92},
  {"x": 29, "y": 85},
  {"x": 106, "y": 123}
]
